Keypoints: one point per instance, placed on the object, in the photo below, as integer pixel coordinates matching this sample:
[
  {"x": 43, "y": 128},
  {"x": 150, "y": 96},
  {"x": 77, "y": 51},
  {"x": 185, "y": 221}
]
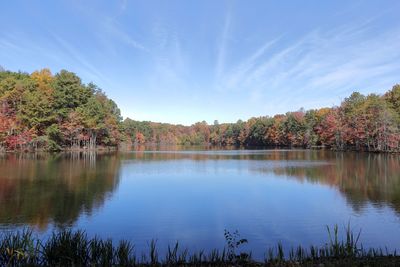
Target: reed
[
  {"x": 75, "y": 248},
  {"x": 19, "y": 248}
]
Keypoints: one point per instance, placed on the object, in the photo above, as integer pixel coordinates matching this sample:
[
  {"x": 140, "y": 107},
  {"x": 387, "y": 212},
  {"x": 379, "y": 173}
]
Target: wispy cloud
[
  {"x": 244, "y": 68},
  {"x": 198, "y": 55},
  {"x": 80, "y": 60},
  {"x": 107, "y": 26},
  {"x": 168, "y": 60},
  {"x": 55, "y": 51},
  {"x": 7, "y": 45},
  {"x": 112, "y": 28},
  {"x": 222, "y": 46},
  {"x": 123, "y": 5},
  {"x": 77, "y": 56},
  {"x": 321, "y": 61}
]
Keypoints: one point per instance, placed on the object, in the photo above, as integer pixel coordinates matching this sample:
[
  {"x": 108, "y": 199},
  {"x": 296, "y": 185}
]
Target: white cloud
[
  {"x": 116, "y": 30},
  {"x": 222, "y": 46},
  {"x": 333, "y": 62}
]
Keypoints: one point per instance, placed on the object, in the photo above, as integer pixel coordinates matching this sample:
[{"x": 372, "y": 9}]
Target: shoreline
[
  {"x": 75, "y": 248},
  {"x": 208, "y": 146}
]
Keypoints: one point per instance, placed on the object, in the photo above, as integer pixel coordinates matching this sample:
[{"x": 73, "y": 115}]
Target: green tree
[
  {"x": 393, "y": 98},
  {"x": 69, "y": 93}
]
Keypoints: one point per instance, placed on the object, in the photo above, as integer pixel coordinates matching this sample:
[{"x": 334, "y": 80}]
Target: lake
[{"x": 269, "y": 196}]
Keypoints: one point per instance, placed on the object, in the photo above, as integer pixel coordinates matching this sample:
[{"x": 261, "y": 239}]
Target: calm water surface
[{"x": 192, "y": 196}]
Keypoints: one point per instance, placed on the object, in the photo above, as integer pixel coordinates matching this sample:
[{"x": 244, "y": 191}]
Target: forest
[{"x": 42, "y": 111}]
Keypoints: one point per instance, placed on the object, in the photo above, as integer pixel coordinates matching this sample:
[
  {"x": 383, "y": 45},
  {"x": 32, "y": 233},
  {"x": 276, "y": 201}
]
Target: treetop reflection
[{"x": 38, "y": 189}]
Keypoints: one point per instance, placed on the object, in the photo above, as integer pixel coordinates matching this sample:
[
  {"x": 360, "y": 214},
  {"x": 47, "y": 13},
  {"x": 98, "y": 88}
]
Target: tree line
[
  {"x": 58, "y": 112},
  {"x": 42, "y": 111},
  {"x": 362, "y": 123}
]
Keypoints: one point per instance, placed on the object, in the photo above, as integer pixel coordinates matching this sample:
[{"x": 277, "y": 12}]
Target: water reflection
[
  {"x": 38, "y": 189},
  {"x": 192, "y": 195},
  {"x": 362, "y": 177}
]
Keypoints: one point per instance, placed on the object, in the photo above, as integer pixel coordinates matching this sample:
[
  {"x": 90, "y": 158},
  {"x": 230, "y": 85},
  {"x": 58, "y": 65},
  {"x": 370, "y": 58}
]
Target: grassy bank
[{"x": 68, "y": 248}]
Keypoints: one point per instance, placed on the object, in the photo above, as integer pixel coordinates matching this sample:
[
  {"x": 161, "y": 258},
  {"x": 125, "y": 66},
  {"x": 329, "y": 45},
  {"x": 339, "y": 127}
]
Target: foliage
[
  {"x": 75, "y": 248},
  {"x": 362, "y": 123},
  {"x": 42, "y": 111},
  {"x": 233, "y": 242}
]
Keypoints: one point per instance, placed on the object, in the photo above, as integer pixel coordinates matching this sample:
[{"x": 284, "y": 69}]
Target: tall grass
[
  {"x": 75, "y": 248},
  {"x": 19, "y": 248}
]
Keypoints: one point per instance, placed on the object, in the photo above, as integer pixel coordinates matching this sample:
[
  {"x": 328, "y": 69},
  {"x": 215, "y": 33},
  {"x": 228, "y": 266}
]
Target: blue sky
[{"x": 188, "y": 61}]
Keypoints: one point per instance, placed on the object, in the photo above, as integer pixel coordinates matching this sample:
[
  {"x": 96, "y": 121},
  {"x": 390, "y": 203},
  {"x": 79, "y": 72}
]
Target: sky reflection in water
[{"x": 192, "y": 196}]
